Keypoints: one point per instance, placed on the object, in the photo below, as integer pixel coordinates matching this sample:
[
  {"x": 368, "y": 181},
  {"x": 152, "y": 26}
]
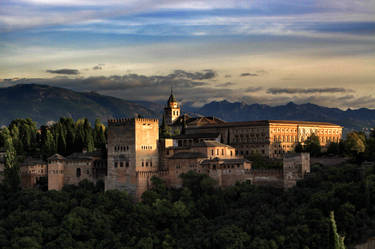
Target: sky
[{"x": 261, "y": 51}]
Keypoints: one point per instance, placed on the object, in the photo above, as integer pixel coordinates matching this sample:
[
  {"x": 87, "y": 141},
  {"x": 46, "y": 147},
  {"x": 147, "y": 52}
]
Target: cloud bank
[
  {"x": 64, "y": 71},
  {"x": 200, "y": 87}
]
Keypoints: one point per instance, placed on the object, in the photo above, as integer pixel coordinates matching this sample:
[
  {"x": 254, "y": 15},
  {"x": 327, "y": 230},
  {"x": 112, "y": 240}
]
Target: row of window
[
  {"x": 222, "y": 152},
  {"x": 292, "y": 139},
  {"x": 247, "y": 152},
  {"x": 78, "y": 172},
  {"x": 247, "y": 130},
  {"x": 249, "y": 140},
  {"x": 279, "y": 138},
  {"x": 121, "y": 148},
  {"x": 122, "y": 164},
  {"x": 146, "y": 163},
  {"x": 41, "y": 171},
  {"x": 126, "y": 164},
  {"x": 146, "y": 147}
]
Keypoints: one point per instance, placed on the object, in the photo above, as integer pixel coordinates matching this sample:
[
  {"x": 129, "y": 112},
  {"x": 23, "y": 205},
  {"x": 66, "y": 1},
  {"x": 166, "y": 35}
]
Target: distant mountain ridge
[
  {"x": 350, "y": 119},
  {"x": 43, "y": 103}
]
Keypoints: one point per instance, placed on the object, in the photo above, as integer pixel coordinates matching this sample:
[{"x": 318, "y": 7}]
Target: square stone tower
[
  {"x": 295, "y": 166},
  {"x": 132, "y": 154}
]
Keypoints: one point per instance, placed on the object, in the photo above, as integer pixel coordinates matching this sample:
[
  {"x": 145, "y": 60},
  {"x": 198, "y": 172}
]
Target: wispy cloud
[
  {"x": 64, "y": 71},
  {"x": 249, "y": 75},
  {"x": 317, "y": 19},
  {"x": 226, "y": 84}
]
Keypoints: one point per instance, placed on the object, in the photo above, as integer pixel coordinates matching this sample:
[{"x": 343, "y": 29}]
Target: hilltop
[{"x": 43, "y": 103}]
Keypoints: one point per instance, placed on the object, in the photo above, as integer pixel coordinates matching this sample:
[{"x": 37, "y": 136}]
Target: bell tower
[{"x": 172, "y": 110}]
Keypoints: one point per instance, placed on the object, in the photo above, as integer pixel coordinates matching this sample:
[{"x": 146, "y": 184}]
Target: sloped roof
[
  {"x": 197, "y": 121},
  {"x": 29, "y": 161},
  {"x": 84, "y": 155},
  {"x": 56, "y": 157},
  {"x": 209, "y": 143},
  {"x": 171, "y": 98}
]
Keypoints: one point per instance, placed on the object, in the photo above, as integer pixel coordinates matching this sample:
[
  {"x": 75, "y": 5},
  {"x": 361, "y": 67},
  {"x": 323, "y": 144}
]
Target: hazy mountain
[
  {"x": 43, "y": 103},
  {"x": 350, "y": 119}
]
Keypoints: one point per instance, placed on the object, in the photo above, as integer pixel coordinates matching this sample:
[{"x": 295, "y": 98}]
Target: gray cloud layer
[
  {"x": 248, "y": 75},
  {"x": 189, "y": 87},
  {"x": 64, "y": 71},
  {"x": 306, "y": 90},
  {"x": 204, "y": 75}
]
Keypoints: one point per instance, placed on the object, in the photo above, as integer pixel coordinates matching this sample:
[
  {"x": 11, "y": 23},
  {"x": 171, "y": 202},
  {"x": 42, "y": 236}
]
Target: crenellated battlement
[
  {"x": 130, "y": 121},
  {"x": 150, "y": 120},
  {"x": 120, "y": 121}
]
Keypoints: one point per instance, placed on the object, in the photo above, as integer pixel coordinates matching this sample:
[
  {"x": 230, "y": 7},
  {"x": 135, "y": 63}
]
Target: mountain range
[
  {"x": 45, "y": 103},
  {"x": 359, "y": 119}
]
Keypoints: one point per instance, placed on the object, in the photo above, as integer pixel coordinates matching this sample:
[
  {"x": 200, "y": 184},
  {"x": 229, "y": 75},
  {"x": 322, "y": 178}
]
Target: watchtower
[
  {"x": 295, "y": 166},
  {"x": 132, "y": 149}
]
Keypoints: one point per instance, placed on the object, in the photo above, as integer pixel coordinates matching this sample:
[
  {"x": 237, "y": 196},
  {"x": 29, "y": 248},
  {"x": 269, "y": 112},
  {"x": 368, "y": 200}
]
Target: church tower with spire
[{"x": 172, "y": 110}]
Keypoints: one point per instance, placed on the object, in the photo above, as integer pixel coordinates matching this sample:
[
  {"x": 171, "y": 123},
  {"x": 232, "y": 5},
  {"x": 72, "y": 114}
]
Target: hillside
[
  {"x": 43, "y": 103},
  {"x": 350, "y": 119}
]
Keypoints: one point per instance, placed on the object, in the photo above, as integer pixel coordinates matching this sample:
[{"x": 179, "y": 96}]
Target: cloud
[
  {"x": 204, "y": 75},
  {"x": 226, "y": 84},
  {"x": 275, "y": 91},
  {"x": 252, "y": 89},
  {"x": 248, "y": 75},
  {"x": 98, "y": 67},
  {"x": 64, "y": 71}
]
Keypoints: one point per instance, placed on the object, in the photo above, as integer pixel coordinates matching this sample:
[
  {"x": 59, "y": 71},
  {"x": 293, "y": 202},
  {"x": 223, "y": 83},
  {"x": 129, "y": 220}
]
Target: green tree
[
  {"x": 312, "y": 145},
  {"x": 333, "y": 148},
  {"x": 337, "y": 239},
  {"x": 165, "y": 130},
  {"x": 298, "y": 148},
  {"x": 99, "y": 135},
  {"x": 230, "y": 237},
  {"x": 48, "y": 146},
  {"x": 11, "y": 170},
  {"x": 355, "y": 143}
]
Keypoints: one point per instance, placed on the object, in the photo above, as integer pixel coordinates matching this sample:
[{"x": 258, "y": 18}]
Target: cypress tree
[
  {"x": 11, "y": 170},
  {"x": 337, "y": 239}
]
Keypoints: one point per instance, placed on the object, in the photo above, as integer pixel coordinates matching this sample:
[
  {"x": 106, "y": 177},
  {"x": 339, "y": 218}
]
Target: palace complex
[{"x": 136, "y": 153}]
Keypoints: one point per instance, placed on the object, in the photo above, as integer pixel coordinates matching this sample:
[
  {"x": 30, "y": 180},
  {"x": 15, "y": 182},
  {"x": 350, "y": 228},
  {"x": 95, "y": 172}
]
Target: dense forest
[
  {"x": 198, "y": 215},
  {"x": 331, "y": 204},
  {"x": 64, "y": 137}
]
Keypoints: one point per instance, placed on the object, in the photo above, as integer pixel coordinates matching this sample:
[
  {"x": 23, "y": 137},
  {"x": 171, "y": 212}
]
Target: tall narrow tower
[
  {"x": 172, "y": 111},
  {"x": 133, "y": 156}
]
